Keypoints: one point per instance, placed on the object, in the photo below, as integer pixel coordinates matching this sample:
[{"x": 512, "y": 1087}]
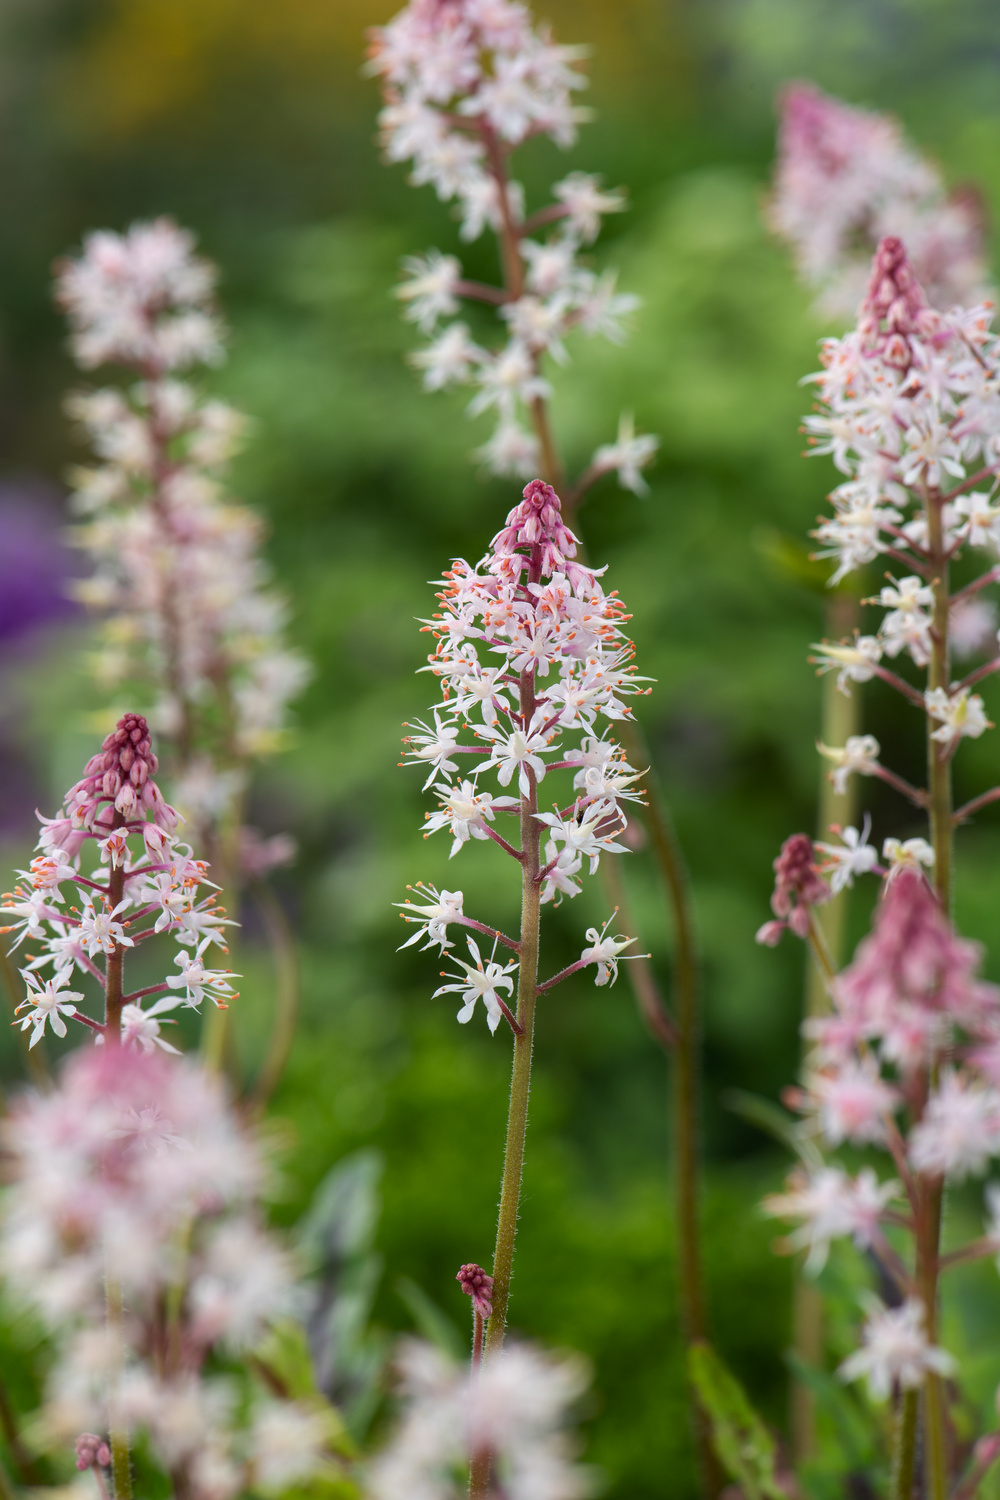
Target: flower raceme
[
  {"x": 177, "y": 574},
  {"x": 152, "y": 885},
  {"x": 465, "y": 82},
  {"x": 135, "y": 1167},
  {"x": 530, "y": 653},
  {"x": 845, "y": 178}
]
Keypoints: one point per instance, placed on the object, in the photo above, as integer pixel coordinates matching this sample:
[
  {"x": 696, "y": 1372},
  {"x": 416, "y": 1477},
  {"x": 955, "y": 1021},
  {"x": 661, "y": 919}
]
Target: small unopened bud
[
  {"x": 91, "y": 1450},
  {"x": 477, "y": 1285}
]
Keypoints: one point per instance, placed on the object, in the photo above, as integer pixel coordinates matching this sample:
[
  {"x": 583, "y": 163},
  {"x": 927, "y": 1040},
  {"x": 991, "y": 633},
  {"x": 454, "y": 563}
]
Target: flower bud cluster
[
  {"x": 177, "y": 579},
  {"x": 514, "y": 1407},
  {"x": 134, "y": 1170},
  {"x": 465, "y": 82},
  {"x": 530, "y": 653},
  {"x": 845, "y": 178},
  {"x": 140, "y": 881}
]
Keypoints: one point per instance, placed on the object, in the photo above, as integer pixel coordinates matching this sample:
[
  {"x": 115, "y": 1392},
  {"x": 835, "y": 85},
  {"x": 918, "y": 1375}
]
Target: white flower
[
  {"x": 585, "y": 203},
  {"x": 628, "y": 454},
  {"x": 430, "y": 292},
  {"x": 832, "y": 1204},
  {"x": 434, "y": 746},
  {"x": 517, "y": 751},
  {"x": 434, "y": 916},
  {"x": 141, "y": 1028},
  {"x": 961, "y": 714},
  {"x": 197, "y": 981},
  {"x": 589, "y": 833},
  {"x": 859, "y": 756},
  {"x": 853, "y": 856},
  {"x": 48, "y": 1001},
  {"x": 959, "y": 1131},
  {"x": 510, "y": 451},
  {"x": 605, "y": 951},
  {"x": 481, "y": 982},
  {"x": 98, "y": 931},
  {"x": 972, "y": 625},
  {"x": 852, "y": 663},
  {"x": 449, "y": 360},
  {"x": 506, "y": 379},
  {"x": 909, "y": 854},
  {"x": 895, "y": 1350},
  {"x": 287, "y": 1444}
]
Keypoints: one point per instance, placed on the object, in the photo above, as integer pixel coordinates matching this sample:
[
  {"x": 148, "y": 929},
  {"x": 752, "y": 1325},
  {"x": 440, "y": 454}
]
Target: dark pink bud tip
[
  {"x": 91, "y": 1450},
  {"x": 478, "y": 1285}
]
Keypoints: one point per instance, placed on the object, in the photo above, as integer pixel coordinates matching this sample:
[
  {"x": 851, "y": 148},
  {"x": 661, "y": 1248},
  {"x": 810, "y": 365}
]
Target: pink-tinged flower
[
  {"x": 90, "y": 1450},
  {"x": 895, "y": 1350},
  {"x": 913, "y": 958},
  {"x": 798, "y": 887},
  {"x": 959, "y": 1131},
  {"x": 846, "y": 177},
  {"x": 480, "y": 981},
  {"x": 477, "y": 1284},
  {"x": 831, "y": 1205},
  {"x": 853, "y": 1103}
]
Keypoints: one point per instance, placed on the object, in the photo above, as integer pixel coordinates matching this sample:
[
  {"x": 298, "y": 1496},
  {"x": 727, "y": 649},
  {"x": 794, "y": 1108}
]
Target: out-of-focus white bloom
[
  {"x": 287, "y": 1444},
  {"x": 430, "y": 291},
  {"x": 448, "y": 359},
  {"x": 959, "y": 1131},
  {"x": 479, "y": 981},
  {"x": 832, "y": 1204},
  {"x": 586, "y": 203},
  {"x": 972, "y": 627},
  {"x": 852, "y": 856},
  {"x": 628, "y": 455},
  {"x": 907, "y": 854},
  {"x": 177, "y": 574},
  {"x": 516, "y": 1406},
  {"x": 961, "y": 714},
  {"x": 851, "y": 663},
  {"x": 895, "y": 1350},
  {"x": 858, "y": 757}
]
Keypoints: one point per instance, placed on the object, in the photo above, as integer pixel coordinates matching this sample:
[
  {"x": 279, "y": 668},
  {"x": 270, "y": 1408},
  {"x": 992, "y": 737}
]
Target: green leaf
[
  {"x": 743, "y": 1443},
  {"x": 433, "y": 1323}
]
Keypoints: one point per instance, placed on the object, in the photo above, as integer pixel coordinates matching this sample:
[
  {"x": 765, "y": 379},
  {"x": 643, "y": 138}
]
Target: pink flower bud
[{"x": 478, "y": 1285}]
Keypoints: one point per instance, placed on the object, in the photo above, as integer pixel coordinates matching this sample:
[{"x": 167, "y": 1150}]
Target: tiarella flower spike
[
  {"x": 177, "y": 577},
  {"x": 152, "y": 884},
  {"x": 465, "y": 82},
  {"x": 530, "y": 653},
  {"x": 845, "y": 178}
]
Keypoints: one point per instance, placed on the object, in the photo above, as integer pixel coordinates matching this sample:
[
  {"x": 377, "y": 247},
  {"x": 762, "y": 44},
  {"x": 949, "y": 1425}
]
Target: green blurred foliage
[{"x": 250, "y": 122}]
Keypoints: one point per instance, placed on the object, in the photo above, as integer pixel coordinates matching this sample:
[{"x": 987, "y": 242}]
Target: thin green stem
[
  {"x": 942, "y": 837},
  {"x": 904, "y": 1447},
  {"x": 121, "y": 1465}
]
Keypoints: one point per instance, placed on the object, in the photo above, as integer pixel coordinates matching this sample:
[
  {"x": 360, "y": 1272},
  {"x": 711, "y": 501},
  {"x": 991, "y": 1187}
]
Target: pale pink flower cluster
[
  {"x": 466, "y": 81},
  {"x": 139, "y": 882},
  {"x": 515, "y": 1407},
  {"x": 845, "y": 178},
  {"x": 133, "y": 1173},
  {"x": 912, "y": 1027},
  {"x": 909, "y": 400},
  {"x": 530, "y": 654},
  {"x": 178, "y": 579}
]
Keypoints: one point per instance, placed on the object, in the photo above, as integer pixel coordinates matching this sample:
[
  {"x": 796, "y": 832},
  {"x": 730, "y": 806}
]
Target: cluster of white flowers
[
  {"x": 465, "y": 82},
  {"x": 177, "y": 579},
  {"x": 530, "y": 650},
  {"x": 847, "y": 177},
  {"x": 133, "y": 1174},
  {"x": 514, "y": 1407},
  {"x": 151, "y": 884}
]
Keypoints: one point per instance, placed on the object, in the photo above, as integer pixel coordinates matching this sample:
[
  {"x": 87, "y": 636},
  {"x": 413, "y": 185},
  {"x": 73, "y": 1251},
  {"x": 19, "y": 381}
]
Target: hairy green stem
[{"x": 121, "y": 1464}]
